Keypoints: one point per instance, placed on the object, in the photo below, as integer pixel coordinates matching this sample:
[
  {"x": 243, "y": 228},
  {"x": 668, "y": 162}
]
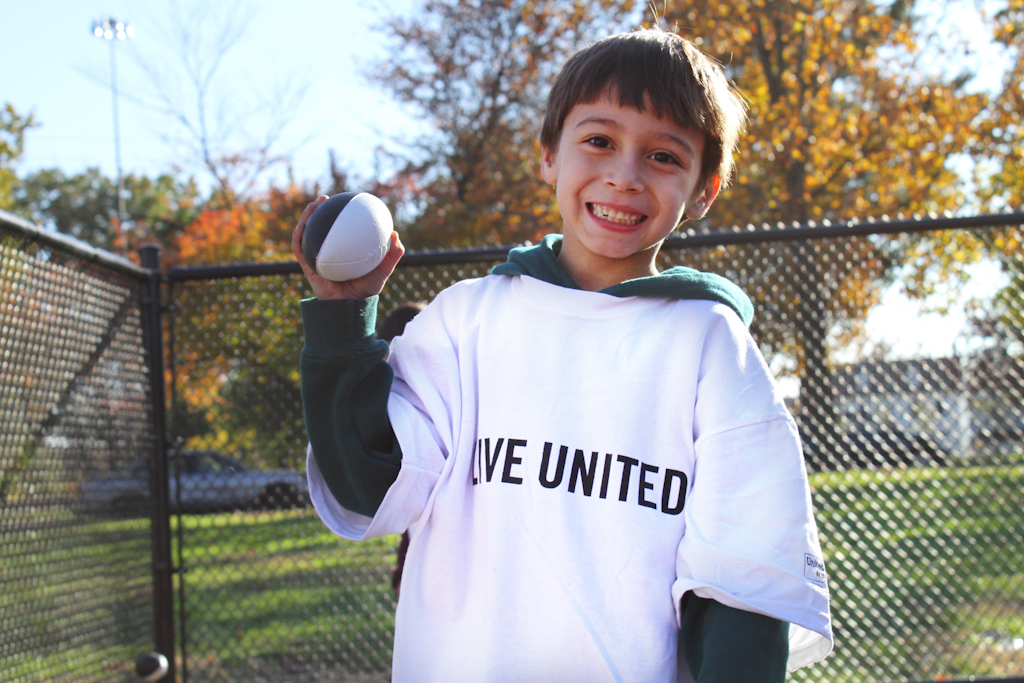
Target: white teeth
[{"x": 616, "y": 216}]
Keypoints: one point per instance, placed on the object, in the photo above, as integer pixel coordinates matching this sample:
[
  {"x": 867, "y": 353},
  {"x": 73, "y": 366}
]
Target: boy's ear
[
  {"x": 701, "y": 202},
  {"x": 547, "y": 166}
]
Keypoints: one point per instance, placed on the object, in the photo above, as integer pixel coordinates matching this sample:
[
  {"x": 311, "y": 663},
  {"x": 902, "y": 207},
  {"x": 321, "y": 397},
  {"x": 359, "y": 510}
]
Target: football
[{"x": 347, "y": 236}]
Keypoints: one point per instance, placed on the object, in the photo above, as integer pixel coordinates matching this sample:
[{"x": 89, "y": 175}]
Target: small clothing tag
[{"x": 814, "y": 569}]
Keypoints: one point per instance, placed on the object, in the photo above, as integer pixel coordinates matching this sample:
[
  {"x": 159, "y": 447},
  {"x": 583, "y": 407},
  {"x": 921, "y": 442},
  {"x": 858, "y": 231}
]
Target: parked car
[
  {"x": 878, "y": 446},
  {"x": 200, "y": 481},
  {"x": 869, "y": 446}
]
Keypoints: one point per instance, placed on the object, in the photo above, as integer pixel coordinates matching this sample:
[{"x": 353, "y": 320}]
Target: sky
[
  {"x": 59, "y": 71},
  {"x": 62, "y": 76}
]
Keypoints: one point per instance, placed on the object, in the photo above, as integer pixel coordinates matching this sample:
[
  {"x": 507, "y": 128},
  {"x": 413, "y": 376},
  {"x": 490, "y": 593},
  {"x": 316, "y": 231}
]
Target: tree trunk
[{"x": 819, "y": 419}]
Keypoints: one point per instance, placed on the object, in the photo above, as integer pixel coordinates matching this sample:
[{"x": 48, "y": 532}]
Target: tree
[
  {"x": 999, "y": 140},
  {"x": 234, "y": 145},
  {"x": 996, "y": 145},
  {"x": 12, "y": 146},
  {"x": 238, "y": 386},
  {"x": 84, "y": 205},
  {"x": 478, "y": 71},
  {"x": 846, "y": 121}
]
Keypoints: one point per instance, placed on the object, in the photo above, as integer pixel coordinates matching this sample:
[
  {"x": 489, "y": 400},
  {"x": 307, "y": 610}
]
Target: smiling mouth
[{"x": 616, "y": 216}]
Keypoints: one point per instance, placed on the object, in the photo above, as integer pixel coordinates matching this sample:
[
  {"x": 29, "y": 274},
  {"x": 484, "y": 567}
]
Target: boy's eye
[
  {"x": 598, "y": 141},
  {"x": 665, "y": 158}
]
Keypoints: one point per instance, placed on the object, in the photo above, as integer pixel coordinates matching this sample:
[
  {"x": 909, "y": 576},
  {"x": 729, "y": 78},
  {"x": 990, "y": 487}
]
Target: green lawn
[
  {"x": 282, "y": 588},
  {"x": 75, "y": 596},
  {"x": 925, "y": 571}
]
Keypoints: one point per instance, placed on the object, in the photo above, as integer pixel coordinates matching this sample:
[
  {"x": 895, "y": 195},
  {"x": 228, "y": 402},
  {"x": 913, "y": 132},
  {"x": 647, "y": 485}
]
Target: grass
[
  {"x": 926, "y": 571},
  {"x": 280, "y": 587},
  {"x": 75, "y": 596}
]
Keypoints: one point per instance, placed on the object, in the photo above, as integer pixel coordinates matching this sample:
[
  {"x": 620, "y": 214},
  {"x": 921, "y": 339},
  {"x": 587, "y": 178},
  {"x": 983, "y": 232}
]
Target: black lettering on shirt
[
  {"x": 511, "y": 459},
  {"x": 646, "y": 469},
  {"x": 627, "y": 465},
  {"x": 606, "y": 475},
  {"x": 487, "y": 456},
  {"x": 559, "y": 468},
  {"x": 580, "y": 471},
  {"x": 476, "y": 461},
  {"x": 666, "y": 492}
]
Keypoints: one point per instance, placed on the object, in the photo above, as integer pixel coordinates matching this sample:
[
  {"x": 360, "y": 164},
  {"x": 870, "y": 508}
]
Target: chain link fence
[
  {"x": 916, "y": 463},
  {"x": 75, "y": 570},
  {"x": 270, "y": 594}
]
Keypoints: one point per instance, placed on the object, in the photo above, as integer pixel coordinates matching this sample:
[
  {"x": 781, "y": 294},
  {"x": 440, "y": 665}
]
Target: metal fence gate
[
  {"x": 917, "y": 464},
  {"x": 77, "y": 598}
]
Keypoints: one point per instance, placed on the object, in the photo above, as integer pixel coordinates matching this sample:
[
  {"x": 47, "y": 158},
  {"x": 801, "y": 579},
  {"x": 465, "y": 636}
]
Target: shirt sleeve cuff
[{"x": 334, "y": 324}]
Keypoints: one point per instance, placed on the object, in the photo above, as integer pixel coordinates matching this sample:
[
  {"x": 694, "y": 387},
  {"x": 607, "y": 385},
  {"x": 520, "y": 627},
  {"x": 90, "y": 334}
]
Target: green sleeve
[
  {"x": 345, "y": 387},
  {"x": 727, "y": 645}
]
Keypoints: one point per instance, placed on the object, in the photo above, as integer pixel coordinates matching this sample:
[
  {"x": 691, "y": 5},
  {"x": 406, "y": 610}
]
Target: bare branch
[{"x": 212, "y": 127}]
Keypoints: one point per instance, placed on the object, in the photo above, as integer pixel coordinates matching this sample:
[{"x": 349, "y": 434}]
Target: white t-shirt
[{"x": 572, "y": 464}]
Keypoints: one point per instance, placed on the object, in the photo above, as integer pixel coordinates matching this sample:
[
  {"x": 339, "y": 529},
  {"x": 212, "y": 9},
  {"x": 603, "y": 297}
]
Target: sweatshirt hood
[{"x": 540, "y": 261}]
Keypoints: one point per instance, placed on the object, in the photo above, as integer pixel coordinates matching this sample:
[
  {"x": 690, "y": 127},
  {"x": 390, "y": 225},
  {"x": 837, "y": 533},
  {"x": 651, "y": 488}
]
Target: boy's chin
[{"x": 621, "y": 250}]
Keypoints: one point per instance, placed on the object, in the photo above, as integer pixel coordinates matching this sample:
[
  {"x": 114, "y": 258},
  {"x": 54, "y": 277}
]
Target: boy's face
[{"x": 624, "y": 180}]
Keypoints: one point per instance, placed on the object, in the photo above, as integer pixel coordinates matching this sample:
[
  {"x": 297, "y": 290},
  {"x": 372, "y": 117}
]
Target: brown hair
[{"x": 662, "y": 69}]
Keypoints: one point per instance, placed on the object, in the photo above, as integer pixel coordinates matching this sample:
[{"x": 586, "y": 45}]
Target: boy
[{"x": 595, "y": 467}]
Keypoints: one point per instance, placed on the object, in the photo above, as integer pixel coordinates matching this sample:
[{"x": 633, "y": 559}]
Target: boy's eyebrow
[{"x": 615, "y": 124}]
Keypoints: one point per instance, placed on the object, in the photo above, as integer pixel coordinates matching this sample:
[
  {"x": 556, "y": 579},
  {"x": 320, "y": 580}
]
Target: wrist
[{"x": 330, "y": 324}]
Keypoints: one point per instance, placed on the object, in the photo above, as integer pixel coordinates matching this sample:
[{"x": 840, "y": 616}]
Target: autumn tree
[
  {"x": 846, "y": 121},
  {"x": 999, "y": 139},
  {"x": 478, "y": 73},
  {"x": 12, "y": 145},
  {"x": 942, "y": 261},
  {"x": 84, "y": 205},
  {"x": 237, "y": 339},
  {"x": 998, "y": 148},
  {"x": 1005, "y": 130}
]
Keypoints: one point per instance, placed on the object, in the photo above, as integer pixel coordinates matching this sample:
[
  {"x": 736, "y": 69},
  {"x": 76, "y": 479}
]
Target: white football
[{"x": 347, "y": 236}]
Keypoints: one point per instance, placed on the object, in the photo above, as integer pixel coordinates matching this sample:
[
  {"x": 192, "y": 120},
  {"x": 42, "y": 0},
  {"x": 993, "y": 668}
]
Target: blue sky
[{"x": 57, "y": 69}]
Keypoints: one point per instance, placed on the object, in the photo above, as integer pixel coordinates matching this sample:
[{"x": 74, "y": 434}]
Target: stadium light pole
[{"x": 112, "y": 30}]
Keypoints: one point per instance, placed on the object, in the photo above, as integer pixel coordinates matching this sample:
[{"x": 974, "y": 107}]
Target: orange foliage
[
  {"x": 1000, "y": 137},
  {"x": 844, "y": 121},
  {"x": 257, "y": 231}
]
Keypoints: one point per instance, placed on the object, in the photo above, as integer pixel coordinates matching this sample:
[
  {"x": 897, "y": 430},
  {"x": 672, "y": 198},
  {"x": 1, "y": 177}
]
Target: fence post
[{"x": 163, "y": 570}]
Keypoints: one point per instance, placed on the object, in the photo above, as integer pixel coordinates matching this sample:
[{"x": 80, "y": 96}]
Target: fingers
[
  {"x": 310, "y": 208},
  {"x": 368, "y": 285},
  {"x": 373, "y": 282},
  {"x": 300, "y": 229},
  {"x": 297, "y": 246},
  {"x": 395, "y": 253},
  {"x": 383, "y": 271}
]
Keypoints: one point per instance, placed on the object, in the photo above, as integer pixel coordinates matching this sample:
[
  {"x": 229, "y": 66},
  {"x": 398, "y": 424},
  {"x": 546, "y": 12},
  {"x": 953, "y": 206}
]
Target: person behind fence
[{"x": 599, "y": 476}]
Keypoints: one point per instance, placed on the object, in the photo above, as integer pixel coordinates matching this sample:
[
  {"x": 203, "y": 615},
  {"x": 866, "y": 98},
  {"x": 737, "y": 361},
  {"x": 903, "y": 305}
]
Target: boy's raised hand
[{"x": 368, "y": 285}]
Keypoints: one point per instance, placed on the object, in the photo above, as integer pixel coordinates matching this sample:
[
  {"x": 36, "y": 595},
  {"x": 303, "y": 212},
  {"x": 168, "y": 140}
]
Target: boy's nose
[{"x": 625, "y": 175}]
